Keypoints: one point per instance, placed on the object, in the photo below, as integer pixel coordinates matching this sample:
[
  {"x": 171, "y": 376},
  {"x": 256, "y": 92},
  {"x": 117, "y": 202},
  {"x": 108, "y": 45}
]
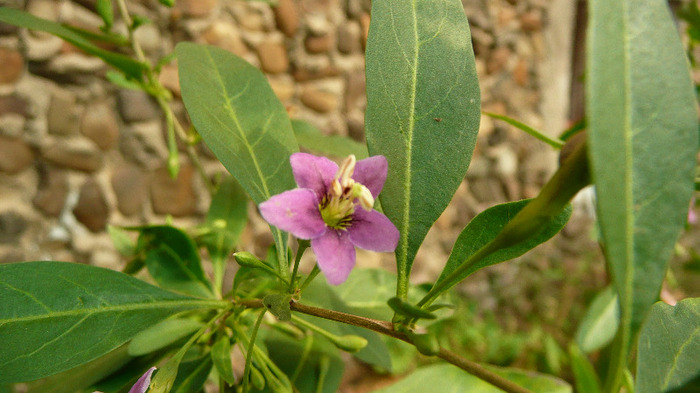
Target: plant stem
[
  {"x": 156, "y": 89},
  {"x": 553, "y": 142},
  {"x": 387, "y": 329},
  {"x": 303, "y": 245},
  {"x": 251, "y": 345}
]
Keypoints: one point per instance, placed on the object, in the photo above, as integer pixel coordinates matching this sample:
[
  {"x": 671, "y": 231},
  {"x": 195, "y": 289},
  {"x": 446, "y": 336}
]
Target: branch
[{"x": 387, "y": 329}]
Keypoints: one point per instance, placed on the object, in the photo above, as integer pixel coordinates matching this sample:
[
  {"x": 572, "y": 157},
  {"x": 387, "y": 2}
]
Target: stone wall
[{"x": 77, "y": 153}]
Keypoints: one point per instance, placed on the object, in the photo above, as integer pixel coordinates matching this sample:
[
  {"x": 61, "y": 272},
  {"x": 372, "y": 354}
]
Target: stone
[
  {"x": 169, "y": 77},
  {"x": 52, "y": 191},
  {"x": 8, "y": 29},
  {"x": 319, "y": 100},
  {"x": 349, "y": 37},
  {"x": 498, "y": 60},
  {"x": 521, "y": 73},
  {"x": 197, "y": 8},
  {"x": 15, "y": 155},
  {"x": 273, "y": 57},
  {"x": 355, "y": 91},
  {"x": 42, "y": 48},
  {"x": 364, "y": 27},
  {"x": 135, "y": 105},
  {"x": 130, "y": 187},
  {"x": 78, "y": 154},
  {"x": 92, "y": 209},
  {"x": 286, "y": 17},
  {"x": 174, "y": 196},
  {"x": 251, "y": 16},
  {"x": 356, "y": 126},
  {"x": 11, "y": 66},
  {"x": 143, "y": 143},
  {"x": 13, "y": 104},
  {"x": 149, "y": 37},
  {"x": 225, "y": 36},
  {"x": 283, "y": 88},
  {"x": 318, "y": 44},
  {"x": 12, "y": 226},
  {"x": 308, "y": 74},
  {"x": 63, "y": 115},
  {"x": 531, "y": 21},
  {"x": 100, "y": 125}
]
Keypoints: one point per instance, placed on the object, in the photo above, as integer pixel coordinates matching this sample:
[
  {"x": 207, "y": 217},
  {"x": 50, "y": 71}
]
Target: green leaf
[
  {"x": 288, "y": 356},
  {"x": 221, "y": 356},
  {"x": 586, "y": 378},
  {"x": 642, "y": 135},
  {"x": 226, "y": 219},
  {"x": 599, "y": 325},
  {"x": 423, "y": 105},
  {"x": 162, "y": 334},
  {"x": 409, "y": 310},
  {"x": 105, "y": 11},
  {"x": 446, "y": 378},
  {"x": 192, "y": 374},
  {"x": 234, "y": 109},
  {"x": 121, "y": 240},
  {"x": 483, "y": 228},
  {"x": 278, "y": 305},
  {"x": 19, "y": 18},
  {"x": 56, "y": 315},
  {"x": 78, "y": 378},
  {"x": 669, "y": 344},
  {"x": 310, "y": 137},
  {"x": 173, "y": 261},
  {"x": 320, "y": 294}
]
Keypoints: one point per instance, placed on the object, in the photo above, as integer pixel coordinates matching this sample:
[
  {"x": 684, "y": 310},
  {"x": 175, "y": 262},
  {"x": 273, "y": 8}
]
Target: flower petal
[
  {"x": 335, "y": 255},
  {"x": 371, "y": 172},
  {"x": 295, "y": 211},
  {"x": 143, "y": 383},
  {"x": 313, "y": 172},
  {"x": 373, "y": 231}
]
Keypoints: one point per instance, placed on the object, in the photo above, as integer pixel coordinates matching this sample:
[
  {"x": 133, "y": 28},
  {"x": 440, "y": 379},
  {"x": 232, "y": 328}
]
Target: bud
[
  {"x": 349, "y": 342},
  {"x": 247, "y": 259}
]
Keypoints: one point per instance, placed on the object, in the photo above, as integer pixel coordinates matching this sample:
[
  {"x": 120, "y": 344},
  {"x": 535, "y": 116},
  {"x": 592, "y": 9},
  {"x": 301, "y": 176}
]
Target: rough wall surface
[{"x": 78, "y": 153}]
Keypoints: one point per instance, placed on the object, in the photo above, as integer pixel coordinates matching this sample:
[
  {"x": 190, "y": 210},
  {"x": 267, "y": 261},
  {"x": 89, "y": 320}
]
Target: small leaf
[
  {"x": 483, "y": 228},
  {"x": 173, "y": 261},
  {"x": 55, "y": 316},
  {"x": 669, "y": 344},
  {"x": 105, "y": 11},
  {"x": 221, "y": 356},
  {"x": 446, "y": 378},
  {"x": 234, "y": 109},
  {"x": 161, "y": 335},
  {"x": 226, "y": 219},
  {"x": 409, "y": 310},
  {"x": 19, "y": 18},
  {"x": 118, "y": 79},
  {"x": 320, "y": 294},
  {"x": 121, "y": 240},
  {"x": 192, "y": 374},
  {"x": 423, "y": 112},
  {"x": 586, "y": 378},
  {"x": 599, "y": 325},
  {"x": 310, "y": 137},
  {"x": 278, "y": 305}
]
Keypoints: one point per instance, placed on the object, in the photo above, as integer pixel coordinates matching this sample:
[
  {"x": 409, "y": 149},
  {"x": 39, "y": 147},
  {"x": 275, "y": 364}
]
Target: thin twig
[{"x": 387, "y": 328}]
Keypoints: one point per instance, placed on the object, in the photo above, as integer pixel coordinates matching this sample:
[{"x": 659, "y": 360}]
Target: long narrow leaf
[
  {"x": 423, "y": 105},
  {"x": 239, "y": 117},
  {"x": 19, "y": 18},
  {"x": 57, "y": 315},
  {"x": 643, "y": 140}
]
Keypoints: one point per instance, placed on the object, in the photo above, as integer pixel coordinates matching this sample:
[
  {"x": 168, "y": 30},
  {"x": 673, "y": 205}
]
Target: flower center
[{"x": 338, "y": 206}]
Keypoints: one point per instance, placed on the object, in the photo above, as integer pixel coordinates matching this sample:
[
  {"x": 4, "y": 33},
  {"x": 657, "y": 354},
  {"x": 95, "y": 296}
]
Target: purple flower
[
  {"x": 143, "y": 383},
  {"x": 333, "y": 208}
]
